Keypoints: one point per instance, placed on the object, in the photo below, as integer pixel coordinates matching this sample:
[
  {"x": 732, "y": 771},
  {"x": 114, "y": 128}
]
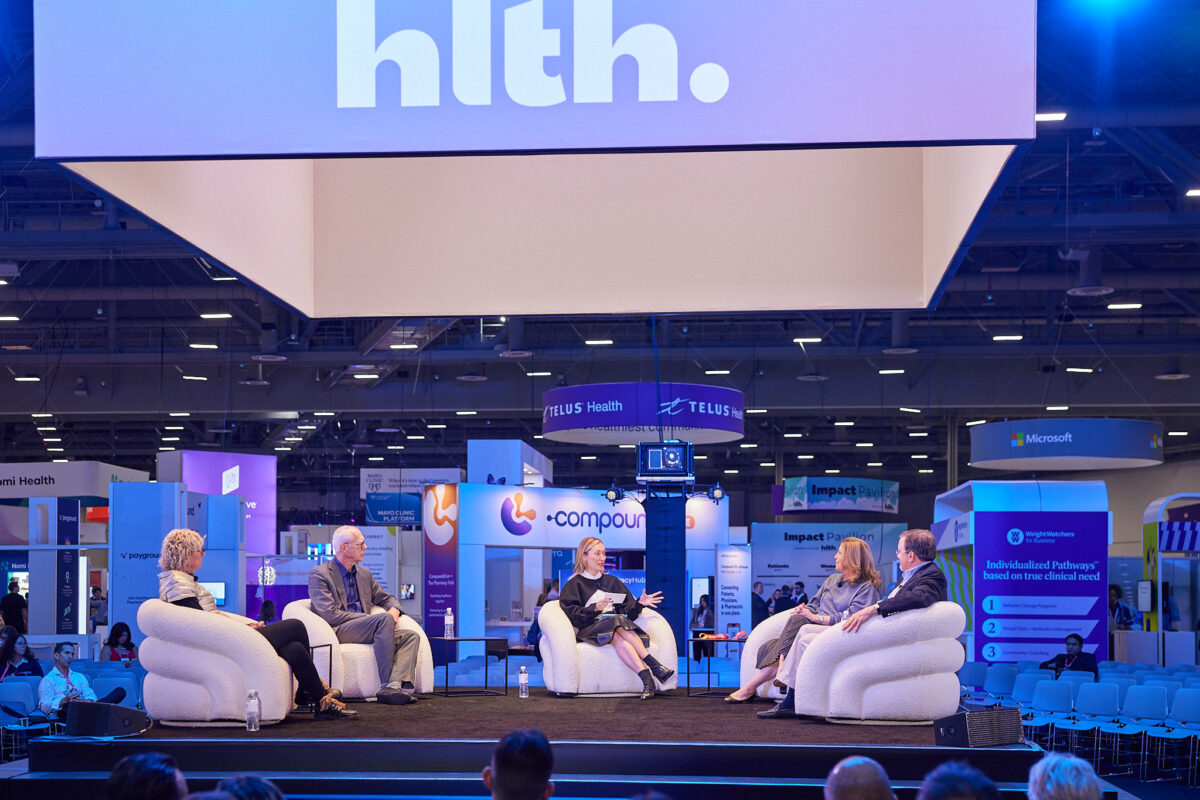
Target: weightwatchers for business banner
[{"x": 1039, "y": 576}]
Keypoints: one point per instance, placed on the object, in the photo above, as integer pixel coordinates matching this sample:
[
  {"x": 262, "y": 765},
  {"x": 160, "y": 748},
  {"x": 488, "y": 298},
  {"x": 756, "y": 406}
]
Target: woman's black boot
[
  {"x": 647, "y": 684},
  {"x": 660, "y": 672}
]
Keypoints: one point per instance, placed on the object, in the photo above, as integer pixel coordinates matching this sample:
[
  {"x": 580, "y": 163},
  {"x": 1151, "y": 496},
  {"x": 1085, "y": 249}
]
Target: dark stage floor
[{"x": 671, "y": 717}]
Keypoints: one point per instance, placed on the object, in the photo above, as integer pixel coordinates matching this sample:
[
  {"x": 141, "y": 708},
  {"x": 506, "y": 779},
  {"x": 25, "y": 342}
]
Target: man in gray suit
[{"x": 343, "y": 593}]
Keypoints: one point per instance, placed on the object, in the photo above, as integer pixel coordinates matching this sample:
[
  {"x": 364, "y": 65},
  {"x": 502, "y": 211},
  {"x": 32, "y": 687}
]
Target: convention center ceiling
[{"x": 1080, "y": 289}]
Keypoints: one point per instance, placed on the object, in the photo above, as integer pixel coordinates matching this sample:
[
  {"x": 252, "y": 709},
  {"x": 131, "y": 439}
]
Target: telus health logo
[
  {"x": 527, "y": 43},
  {"x": 516, "y": 520}
]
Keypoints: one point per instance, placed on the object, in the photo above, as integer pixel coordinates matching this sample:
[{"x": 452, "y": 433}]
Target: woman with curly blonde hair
[
  {"x": 182, "y": 555},
  {"x": 854, "y": 585}
]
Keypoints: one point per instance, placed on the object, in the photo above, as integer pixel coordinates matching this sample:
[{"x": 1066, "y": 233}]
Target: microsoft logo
[
  {"x": 1155, "y": 441},
  {"x": 1018, "y": 440}
]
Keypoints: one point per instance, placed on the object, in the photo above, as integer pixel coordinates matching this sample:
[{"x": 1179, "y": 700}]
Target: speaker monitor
[
  {"x": 104, "y": 719},
  {"x": 984, "y": 728}
]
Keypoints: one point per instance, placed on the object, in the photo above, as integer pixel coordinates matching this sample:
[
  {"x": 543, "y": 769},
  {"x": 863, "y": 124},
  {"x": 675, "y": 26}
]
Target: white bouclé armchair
[
  {"x": 900, "y": 668},
  {"x": 200, "y": 667},
  {"x": 354, "y": 670},
  {"x": 571, "y": 667}
]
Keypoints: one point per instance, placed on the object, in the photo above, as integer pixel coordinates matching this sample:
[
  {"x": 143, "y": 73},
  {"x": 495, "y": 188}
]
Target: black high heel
[
  {"x": 661, "y": 674},
  {"x": 331, "y": 708}
]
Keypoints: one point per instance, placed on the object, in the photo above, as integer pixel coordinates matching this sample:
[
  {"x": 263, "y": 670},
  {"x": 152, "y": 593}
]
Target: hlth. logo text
[{"x": 527, "y": 43}]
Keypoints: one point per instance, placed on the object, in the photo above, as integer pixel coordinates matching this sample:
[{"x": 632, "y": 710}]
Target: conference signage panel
[
  {"x": 440, "y": 524},
  {"x": 393, "y": 496},
  {"x": 1066, "y": 444},
  {"x": 373, "y": 76},
  {"x": 785, "y": 552},
  {"x": 508, "y": 516},
  {"x": 628, "y": 413},
  {"x": 251, "y": 476},
  {"x": 840, "y": 494},
  {"x": 733, "y": 587},
  {"x": 84, "y": 479},
  {"x": 1039, "y": 576}
]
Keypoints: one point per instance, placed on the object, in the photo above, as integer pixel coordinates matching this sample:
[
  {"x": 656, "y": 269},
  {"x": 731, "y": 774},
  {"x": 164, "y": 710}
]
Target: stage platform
[{"x": 689, "y": 748}]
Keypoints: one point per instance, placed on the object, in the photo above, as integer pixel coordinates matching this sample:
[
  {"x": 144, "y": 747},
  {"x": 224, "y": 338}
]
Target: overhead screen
[{"x": 148, "y": 79}]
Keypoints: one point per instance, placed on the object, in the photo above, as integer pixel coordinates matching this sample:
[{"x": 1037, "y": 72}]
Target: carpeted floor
[{"x": 671, "y": 717}]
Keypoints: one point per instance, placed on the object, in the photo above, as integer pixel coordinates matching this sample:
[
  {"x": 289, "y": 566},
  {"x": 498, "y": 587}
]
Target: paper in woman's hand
[{"x": 599, "y": 595}]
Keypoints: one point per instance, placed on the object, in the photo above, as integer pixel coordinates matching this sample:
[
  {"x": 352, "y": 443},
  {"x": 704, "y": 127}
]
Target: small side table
[
  {"x": 492, "y": 646},
  {"x": 708, "y": 690}
]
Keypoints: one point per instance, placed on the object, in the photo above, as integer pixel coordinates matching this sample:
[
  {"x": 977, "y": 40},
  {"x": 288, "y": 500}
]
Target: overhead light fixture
[
  {"x": 179, "y": 413},
  {"x": 217, "y": 315},
  {"x": 874, "y": 463},
  {"x": 716, "y": 372},
  {"x": 306, "y": 427},
  {"x": 375, "y": 458},
  {"x": 864, "y": 444},
  {"x": 4, "y": 283},
  {"x": 844, "y": 424},
  {"x": 41, "y": 415},
  {"x": 194, "y": 378},
  {"x": 587, "y": 458},
  {"x": 627, "y": 446},
  {"x": 766, "y": 463},
  {"x": 46, "y": 428},
  {"x": 812, "y": 377},
  {"x": 203, "y": 346},
  {"x": 748, "y": 445},
  {"x": 282, "y": 449},
  {"x": 1058, "y": 408},
  {"x": 26, "y": 378},
  {"x": 891, "y": 372},
  {"x": 324, "y": 413},
  {"x": 918, "y": 434},
  {"x": 50, "y": 439},
  {"x": 395, "y": 447},
  {"x": 435, "y": 426},
  {"x": 694, "y": 458},
  {"x": 1081, "y": 370},
  {"x": 833, "y": 472},
  {"x": 793, "y": 436},
  {"x": 1177, "y": 433},
  {"x": 910, "y": 410},
  {"x": 1124, "y": 306},
  {"x": 414, "y": 437},
  {"x": 537, "y": 374},
  {"x": 975, "y": 422},
  {"x": 807, "y": 340},
  {"x": 1193, "y": 192},
  {"x": 59, "y": 460},
  {"x": 755, "y": 411},
  {"x": 10, "y": 319},
  {"x": 405, "y": 346},
  {"x": 597, "y": 342},
  {"x": 1008, "y": 337},
  {"x": 55, "y": 450},
  {"x": 465, "y": 413},
  {"x": 389, "y": 430},
  {"x": 538, "y": 436},
  {"x": 293, "y": 438},
  {"x": 805, "y": 457},
  {"x": 170, "y": 438},
  {"x": 1049, "y": 116},
  {"x": 224, "y": 278},
  {"x": 366, "y": 376},
  {"x": 730, "y": 471},
  {"x": 924, "y": 471},
  {"x": 165, "y": 449},
  {"x": 918, "y": 456}
]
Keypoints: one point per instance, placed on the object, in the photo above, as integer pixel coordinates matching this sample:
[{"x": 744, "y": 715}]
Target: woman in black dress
[
  {"x": 602, "y": 610},
  {"x": 17, "y": 659}
]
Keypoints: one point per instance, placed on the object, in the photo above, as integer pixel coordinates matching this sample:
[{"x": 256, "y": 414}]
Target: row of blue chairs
[
  {"x": 20, "y": 692},
  {"x": 1147, "y": 726}
]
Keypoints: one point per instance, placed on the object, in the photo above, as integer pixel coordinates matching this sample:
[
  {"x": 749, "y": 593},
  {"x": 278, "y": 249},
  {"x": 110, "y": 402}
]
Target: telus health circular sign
[{"x": 628, "y": 413}]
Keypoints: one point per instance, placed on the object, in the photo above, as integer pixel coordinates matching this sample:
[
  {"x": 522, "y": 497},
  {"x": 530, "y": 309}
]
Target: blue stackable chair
[
  {"x": 1076, "y": 679},
  {"x": 1171, "y": 686},
  {"x": 998, "y": 682},
  {"x": 104, "y": 684},
  {"x": 1026, "y": 666},
  {"x": 1022, "y": 690},
  {"x": 1182, "y": 726},
  {"x": 1096, "y": 704},
  {"x": 1122, "y": 682},
  {"x": 1145, "y": 707},
  {"x": 1052, "y": 703},
  {"x": 971, "y": 676},
  {"x": 19, "y": 697}
]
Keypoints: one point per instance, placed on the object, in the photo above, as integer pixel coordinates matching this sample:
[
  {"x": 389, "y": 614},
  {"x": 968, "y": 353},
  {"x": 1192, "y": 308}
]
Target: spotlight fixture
[
  {"x": 715, "y": 493},
  {"x": 614, "y": 494}
]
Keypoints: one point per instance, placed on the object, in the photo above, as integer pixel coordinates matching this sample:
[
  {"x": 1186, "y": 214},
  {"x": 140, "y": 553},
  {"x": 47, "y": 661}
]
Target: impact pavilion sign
[{"x": 751, "y": 100}]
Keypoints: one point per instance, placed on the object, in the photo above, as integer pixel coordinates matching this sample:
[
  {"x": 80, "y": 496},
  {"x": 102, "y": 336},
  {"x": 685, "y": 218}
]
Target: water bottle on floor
[
  {"x": 449, "y": 623},
  {"x": 253, "y": 710},
  {"x": 523, "y": 684}
]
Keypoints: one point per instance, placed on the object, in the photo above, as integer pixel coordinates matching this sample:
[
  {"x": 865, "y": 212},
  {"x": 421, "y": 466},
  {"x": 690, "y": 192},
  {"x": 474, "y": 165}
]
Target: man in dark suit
[
  {"x": 343, "y": 592},
  {"x": 921, "y": 585},
  {"x": 1074, "y": 659},
  {"x": 758, "y": 605},
  {"x": 785, "y": 601}
]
